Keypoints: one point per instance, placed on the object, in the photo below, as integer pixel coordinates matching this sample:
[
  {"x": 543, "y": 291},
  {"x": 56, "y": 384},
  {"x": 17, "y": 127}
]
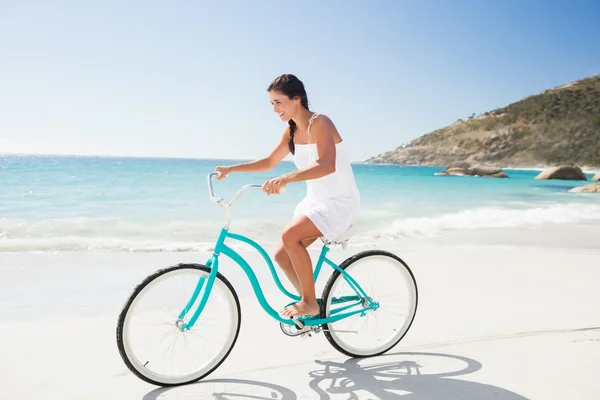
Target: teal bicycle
[{"x": 181, "y": 322}]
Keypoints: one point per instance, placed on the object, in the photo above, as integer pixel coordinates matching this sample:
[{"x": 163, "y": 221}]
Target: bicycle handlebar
[{"x": 221, "y": 200}]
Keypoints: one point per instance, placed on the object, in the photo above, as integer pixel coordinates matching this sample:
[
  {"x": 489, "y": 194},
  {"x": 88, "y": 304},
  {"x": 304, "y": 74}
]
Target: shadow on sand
[
  {"x": 417, "y": 376},
  {"x": 403, "y": 376}
]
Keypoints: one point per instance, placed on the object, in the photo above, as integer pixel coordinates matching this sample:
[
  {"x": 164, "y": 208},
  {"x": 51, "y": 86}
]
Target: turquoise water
[{"x": 151, "y": 204}]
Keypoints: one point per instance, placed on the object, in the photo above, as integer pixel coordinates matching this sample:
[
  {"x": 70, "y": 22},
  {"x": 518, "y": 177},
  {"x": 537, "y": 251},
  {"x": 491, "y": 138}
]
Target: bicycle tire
[
  {"x": 328, "y": 327},
  {"x": 122, "y": 347}
]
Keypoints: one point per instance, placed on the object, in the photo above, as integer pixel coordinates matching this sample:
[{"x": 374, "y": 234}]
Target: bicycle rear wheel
[
  {"x": 150, "y": 335},
  {"x": 385, "y": 279}
]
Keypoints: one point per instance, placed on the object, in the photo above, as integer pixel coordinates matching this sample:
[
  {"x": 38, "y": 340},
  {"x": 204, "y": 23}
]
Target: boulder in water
[
  {"x": 591, "y": 188},
  {"x": 566, "y": 172},
  {"x": 464, "y": 169}
]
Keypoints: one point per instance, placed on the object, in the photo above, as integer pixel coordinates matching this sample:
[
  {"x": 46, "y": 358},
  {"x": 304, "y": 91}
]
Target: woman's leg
[
  {"x": 293, "y": 235},
  {"x": 283, "y": 259}
]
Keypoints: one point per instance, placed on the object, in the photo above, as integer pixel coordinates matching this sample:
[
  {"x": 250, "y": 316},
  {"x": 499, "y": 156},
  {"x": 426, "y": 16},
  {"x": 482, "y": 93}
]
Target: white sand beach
[{"x": 495, "y": 320}]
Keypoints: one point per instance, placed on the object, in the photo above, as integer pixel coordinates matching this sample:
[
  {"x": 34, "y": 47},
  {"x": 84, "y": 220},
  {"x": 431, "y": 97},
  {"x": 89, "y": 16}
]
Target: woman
[{"x": 332, "y": 200}]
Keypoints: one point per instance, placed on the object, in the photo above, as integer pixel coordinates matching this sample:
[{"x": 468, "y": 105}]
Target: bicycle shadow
[
  {"x": 404, "y": 376},
  {"x": 224, "y": 389}
]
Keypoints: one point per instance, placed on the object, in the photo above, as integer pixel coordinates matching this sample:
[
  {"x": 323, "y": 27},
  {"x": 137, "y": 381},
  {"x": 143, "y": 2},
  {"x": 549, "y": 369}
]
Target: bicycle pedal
[
  {"x": 295, "y": 330},
  {"x": 306, "y": 335}
]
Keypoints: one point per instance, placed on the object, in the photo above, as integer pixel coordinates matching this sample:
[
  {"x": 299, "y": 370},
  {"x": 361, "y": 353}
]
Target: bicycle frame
[
  {"x": 221, "y": 248},
  {"x": 360, "y": 297}
]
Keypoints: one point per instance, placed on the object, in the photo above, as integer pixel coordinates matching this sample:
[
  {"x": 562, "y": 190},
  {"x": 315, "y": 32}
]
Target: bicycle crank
[
  {"x": 294, "y": 330},
  {"x": 299, "y": 329}
]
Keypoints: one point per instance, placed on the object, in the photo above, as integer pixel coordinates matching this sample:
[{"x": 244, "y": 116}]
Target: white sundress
[{"x": 332, "y": 202}]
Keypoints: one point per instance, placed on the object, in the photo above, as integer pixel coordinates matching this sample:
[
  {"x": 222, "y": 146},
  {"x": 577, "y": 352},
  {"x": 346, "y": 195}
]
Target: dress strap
[{"x": 315, "y": 115}]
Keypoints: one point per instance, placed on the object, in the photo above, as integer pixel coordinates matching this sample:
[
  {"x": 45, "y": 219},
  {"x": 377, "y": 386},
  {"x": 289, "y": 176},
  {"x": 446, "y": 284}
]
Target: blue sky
[{"x": 189, "y": 78}]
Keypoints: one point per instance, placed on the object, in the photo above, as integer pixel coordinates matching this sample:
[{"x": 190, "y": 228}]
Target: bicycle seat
[{"x": 341, "y": 240}]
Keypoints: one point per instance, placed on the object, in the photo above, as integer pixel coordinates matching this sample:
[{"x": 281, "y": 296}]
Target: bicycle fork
[{"x": 207, "y": 284}]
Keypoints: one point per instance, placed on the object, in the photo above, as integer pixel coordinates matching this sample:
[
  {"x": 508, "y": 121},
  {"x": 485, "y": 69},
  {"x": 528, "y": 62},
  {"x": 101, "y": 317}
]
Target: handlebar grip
[{"x": 210, "y": 186}]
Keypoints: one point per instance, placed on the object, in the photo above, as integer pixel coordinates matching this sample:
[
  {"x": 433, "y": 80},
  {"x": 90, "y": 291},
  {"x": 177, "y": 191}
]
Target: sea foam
[{"x": 491, "y": 217}]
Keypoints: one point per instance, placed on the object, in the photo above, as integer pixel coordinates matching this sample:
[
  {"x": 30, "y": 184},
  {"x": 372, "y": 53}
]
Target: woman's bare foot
[{"x": 301, "y": 308}]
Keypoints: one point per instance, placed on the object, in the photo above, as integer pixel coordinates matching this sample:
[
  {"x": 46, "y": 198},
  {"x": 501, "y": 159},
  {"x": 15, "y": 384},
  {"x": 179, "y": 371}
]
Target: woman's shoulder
[
  {"x": 321, "y": 121},
  {"x": 323, "y": 126},
  {"x": 317, "y": 116}
]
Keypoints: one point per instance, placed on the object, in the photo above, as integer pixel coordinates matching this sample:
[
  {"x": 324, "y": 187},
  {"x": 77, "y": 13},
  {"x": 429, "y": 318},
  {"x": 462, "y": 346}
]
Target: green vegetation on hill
[{"x": 560, "y": 125}]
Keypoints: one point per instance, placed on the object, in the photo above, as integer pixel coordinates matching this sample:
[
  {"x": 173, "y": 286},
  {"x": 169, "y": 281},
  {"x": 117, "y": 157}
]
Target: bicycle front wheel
[
  {"x": 150, "y": 337},
  {"x": 385, "y": 279}
]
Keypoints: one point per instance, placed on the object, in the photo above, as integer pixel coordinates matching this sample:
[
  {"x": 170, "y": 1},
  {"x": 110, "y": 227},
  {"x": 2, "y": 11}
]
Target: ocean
[{"x": 121, "y": 204}]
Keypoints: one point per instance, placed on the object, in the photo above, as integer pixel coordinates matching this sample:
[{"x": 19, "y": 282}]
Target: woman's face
[{"x": 283, "y": 106}]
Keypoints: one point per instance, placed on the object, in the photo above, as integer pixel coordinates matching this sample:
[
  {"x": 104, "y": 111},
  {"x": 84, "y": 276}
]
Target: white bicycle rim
[
  {"x": 154, "y": 344},
  {"x": 387, "y": 281}
]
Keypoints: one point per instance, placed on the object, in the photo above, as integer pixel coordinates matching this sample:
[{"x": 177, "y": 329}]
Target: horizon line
[{"x": 140, "y": 157}]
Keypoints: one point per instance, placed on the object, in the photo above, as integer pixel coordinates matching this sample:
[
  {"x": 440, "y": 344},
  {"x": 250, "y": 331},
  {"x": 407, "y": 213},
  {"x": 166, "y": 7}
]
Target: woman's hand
[
  {"x": 275, "y": 185},
  {"x": 223, "y": 172}
]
